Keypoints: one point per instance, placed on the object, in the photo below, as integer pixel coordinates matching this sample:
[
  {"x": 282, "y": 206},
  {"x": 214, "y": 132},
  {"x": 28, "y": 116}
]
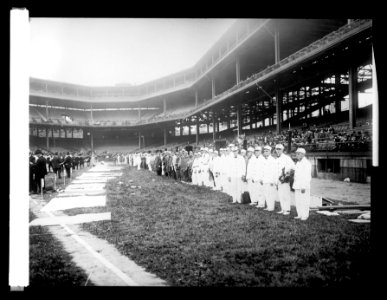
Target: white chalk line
[{"x": 98, "y": 256}]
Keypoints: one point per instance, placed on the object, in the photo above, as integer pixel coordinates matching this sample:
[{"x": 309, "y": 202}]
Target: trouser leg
[
  {"x": 298, "y": 202},
  {"x": 252, "y": 189},
  {"x": 269, "y": 191},
  {"x": 284, "y": 196},
  {"x": 305, "y": 204}
]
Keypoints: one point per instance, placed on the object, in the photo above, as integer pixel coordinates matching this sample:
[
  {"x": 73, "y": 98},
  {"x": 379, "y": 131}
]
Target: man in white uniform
[
  {"x": 301, "y": 185},
  {"x": 195, "y": 169},
  {"x": 251, "y": 175},
  {"x": 284, "y": 165},
  {"x": 228, "y": 156},
  {"x": 268, "y": 178},
  {"x": 259, "y": 188},
  {"x": 215, "y": 167},
  {"x": 237, "y": 169}
]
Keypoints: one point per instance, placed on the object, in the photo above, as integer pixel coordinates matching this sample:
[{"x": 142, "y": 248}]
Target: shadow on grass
[{"x": 50, "y": 264}]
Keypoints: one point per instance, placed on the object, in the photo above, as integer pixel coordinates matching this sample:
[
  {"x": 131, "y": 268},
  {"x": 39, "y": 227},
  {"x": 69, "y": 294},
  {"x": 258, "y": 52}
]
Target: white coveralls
[
  {"x": 284, "y": 161},
  {"x": 236, "y": 169},
  {"x": 195, "y": 169},
  {"x": 253, "y": 186},
  {"x": 268, "y": 176},
  {"x": 302, "y": 179}
]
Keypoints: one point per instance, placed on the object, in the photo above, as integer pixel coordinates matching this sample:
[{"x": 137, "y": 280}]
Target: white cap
[
  {"x": 231, "y": 145},
  {"x": 279, "y": 146},
  {"x": 243, "y": 151},
  {"x": 301, "y": 150},
  {"x": 258, "y": 148},
  {"x": 251, "y": 149},
  {"x": 205, "y": 149},
  {"x": 267, "y": 147},
  {"x": 235, "y": 148},
  {"x": 210, "y": 150},
  {"x": 216, "y": 152}
]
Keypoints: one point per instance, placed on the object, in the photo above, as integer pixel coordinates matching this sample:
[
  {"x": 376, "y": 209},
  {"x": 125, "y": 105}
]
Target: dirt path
[{"x": 99, "y": 259}]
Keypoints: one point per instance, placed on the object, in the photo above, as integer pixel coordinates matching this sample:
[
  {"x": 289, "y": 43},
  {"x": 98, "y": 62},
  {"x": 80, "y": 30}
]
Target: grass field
[{"x": 192, "y": 236}]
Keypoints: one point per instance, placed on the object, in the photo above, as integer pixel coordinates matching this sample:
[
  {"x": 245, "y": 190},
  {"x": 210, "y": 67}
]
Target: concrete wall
[{"x": 354, "y": 168}]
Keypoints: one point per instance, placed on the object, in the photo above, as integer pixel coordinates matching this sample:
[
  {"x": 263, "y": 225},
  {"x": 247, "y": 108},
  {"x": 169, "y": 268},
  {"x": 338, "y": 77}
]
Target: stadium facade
[{"x": 262, "y": 74}]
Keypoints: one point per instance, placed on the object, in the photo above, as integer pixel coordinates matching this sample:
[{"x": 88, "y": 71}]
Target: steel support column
[
  {"x": 276, "y": 45},
  {"x": 46, "y": 109},
  {"x": 338, "y": 100},
  {"x": 197, "y": 130},
  {"x": 213, "y": 87},
  {"x": 353, "y": 96},
  {"x": 139, "y": 140},
  {"x": 238, "y": 70},
  {"x": 239, "y": 119},
  {"x": 164, "y": 105},
  {"x": 47, "y": 139},
  {"x": 91, "y": 142},
  {"x": 213, "y": 125},
  {"x": 278, "y": 96},
  {"x": 196, "y": 98}
]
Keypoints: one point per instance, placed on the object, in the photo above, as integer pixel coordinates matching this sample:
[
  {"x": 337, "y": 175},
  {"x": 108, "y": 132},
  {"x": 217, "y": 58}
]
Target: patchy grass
[
  {"x": 50, "y": 264},
  {"x": 192, "y": 236}
]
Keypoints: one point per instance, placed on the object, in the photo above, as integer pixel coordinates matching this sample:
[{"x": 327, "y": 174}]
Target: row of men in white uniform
[{"x": 259, "y": 174}]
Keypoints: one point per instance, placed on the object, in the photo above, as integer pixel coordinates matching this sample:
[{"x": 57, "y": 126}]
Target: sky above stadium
[{"x": 106, "y": 52}]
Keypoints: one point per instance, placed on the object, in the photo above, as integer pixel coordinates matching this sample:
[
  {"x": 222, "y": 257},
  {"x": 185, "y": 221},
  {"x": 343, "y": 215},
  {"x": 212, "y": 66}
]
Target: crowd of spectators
[{"x": 312, "y": 138}]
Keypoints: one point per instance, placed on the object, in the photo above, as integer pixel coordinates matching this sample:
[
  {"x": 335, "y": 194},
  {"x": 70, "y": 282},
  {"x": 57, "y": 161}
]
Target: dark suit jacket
[
  {"x": 68, "y": 162},
  {"x": 55, "y": 162},
  {"x": 40, "y": 167}
]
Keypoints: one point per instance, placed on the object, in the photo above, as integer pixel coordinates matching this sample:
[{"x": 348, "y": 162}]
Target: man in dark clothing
[
  {"x": 158, "y": 164},
  {"x": 76, "y": 162},
  {"x": 49, "y": 163},
  {"x": 32, "y": 173},
  {"x": 61, "y": 162},
  {"x": 56, "y": 165},
  {"x": 81, "y": 162},
  {"x": 68, "y": 163},
  {"x": 40, "y": 171}
]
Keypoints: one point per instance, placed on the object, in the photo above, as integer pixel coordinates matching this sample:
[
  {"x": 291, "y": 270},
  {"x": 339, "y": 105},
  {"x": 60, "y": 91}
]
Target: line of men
[
  {"x": 233, "y": 171},
  {"x": 40, "y": 165}
]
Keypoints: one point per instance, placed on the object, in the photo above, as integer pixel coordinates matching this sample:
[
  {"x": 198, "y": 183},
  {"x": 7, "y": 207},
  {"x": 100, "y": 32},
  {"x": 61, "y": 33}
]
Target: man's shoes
[
  {"x": 285, "y": 213},
  {"x": 303, "y": 219},
  {"x": 297, "y": 218},
  {"x": 260, "y": 206},
  {"x": 269, "y": 209},
  {"x": 280, "y": 212}
]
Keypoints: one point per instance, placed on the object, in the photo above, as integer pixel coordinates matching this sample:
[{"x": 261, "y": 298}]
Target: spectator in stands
[{"x": 40, "y": 171}]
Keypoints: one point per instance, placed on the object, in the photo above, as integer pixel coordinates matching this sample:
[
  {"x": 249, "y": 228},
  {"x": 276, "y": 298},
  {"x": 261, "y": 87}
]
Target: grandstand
[{"x": 261, "y": 76}]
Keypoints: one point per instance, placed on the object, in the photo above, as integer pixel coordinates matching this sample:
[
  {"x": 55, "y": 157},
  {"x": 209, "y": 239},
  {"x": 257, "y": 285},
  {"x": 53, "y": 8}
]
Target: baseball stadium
[{"x": 300, "y": 83}]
